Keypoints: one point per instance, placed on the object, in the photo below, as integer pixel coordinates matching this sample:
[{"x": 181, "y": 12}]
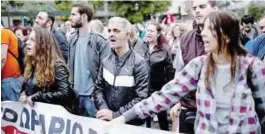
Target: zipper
[{"x": 117, "y": 70}]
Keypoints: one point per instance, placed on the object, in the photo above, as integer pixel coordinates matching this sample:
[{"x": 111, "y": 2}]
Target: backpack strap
[
  {"x": 19, "y": 44},
  {"x": 13, "y": 54}
]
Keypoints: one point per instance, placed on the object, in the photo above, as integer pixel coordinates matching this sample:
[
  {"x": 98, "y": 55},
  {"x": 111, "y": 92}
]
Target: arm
[
  {"x": 170, "y": 94},
  {"x": 98, "y": 91},
  {"x": 257, "y": 71},
  {"x": 63, "y": 91},
  {"x": 104, "y": 49},
  {"x": 169, "y": 67},
  {"x": 141, "y": 76},
  {"x": 4, "y": 48}
]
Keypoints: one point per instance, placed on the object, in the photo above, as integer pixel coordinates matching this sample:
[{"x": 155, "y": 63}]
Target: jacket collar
[
  {"x": 121, "y": 59},
  {"x": 76, "y": 36}
]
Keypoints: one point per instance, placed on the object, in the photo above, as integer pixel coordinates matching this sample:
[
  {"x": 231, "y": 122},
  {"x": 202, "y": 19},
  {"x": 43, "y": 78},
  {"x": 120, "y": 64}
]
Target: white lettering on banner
[
  {"x": 124, "y": 81},
  {"x": 53, "y": 119}
]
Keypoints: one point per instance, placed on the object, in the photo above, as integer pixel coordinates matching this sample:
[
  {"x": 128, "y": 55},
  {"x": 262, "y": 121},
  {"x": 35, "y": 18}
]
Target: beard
[
  {"x": 77, "y": 24},
  {"x": 36, "y": 24}
]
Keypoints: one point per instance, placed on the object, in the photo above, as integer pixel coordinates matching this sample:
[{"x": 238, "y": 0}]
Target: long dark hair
[
  {"x": 224, "y": 25},
  {"x": 161, "y": 39}
]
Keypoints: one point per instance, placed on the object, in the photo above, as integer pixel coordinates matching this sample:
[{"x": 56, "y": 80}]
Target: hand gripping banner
[{"x": 17, "y": 118}]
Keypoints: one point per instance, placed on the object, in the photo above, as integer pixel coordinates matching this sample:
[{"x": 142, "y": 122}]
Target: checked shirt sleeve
[
  {"x": 258, "y": 80},
  {"x": 170, "y": 94}
]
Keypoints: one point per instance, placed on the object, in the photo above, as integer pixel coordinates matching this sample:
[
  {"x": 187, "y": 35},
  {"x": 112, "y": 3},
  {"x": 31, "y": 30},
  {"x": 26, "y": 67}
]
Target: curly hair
[
  {"x": 224, "y": 24},
  {"x": 42, "y": 63}
]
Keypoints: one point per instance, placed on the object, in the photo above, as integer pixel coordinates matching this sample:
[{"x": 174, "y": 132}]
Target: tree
[
  {"x": 63, "y": 5},
  {"x": 66, "y": 5},
  {"x": 256, "y": 9},
  {"x": 136, "y": 11}
]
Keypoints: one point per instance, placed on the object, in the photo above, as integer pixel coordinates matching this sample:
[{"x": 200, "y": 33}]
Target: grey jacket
[
  {"x": 140, "y": 47},
  {"x": 62, "y": 43},
  {"x": 98, "y": 49}
]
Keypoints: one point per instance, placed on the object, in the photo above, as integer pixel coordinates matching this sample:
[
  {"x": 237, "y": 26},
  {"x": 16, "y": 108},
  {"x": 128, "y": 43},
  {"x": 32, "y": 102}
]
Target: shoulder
[
  {"x": 73, "y": 33},
  {"x": 98, "y": 41},
  {"x": 6, "y": 31},
  {"x": 200, "y": 60},
  {"x": 59, "y": 64},
  {"x": 139, "y": 41},
  {"x": 189, "y": 34},
  {"x": 138, "y": 60},
  {"x": 249, "y": 61},
  {"x": 7, "y": 34},
  {"x": 97, "y": 36},
  {"x": 259, "y": 40},
  {"x": 187, "y": 38},
  {"x": 58, "y": 34},
  {"x": 107, "y": 58}
]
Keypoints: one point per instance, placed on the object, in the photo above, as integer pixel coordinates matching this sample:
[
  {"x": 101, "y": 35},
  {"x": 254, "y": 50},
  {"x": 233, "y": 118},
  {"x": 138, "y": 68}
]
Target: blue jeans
[
  {"x": 86, "y": 106},
  {"x": 10, "y": 88}
]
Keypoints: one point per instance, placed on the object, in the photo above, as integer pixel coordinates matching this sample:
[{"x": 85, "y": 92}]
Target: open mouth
[
  {"x": 28, "y": 49},
  {"x": 112, "y": 41},
  {"x": 206, "y": 42}
]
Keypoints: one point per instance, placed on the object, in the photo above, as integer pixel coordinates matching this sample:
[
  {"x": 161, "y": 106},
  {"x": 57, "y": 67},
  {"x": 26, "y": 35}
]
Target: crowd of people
[{"x": 211, "y": 77}]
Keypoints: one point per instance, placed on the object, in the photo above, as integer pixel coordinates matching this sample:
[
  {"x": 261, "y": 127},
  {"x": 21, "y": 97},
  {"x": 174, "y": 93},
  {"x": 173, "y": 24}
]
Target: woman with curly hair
[{"x": 46, "y": 75}]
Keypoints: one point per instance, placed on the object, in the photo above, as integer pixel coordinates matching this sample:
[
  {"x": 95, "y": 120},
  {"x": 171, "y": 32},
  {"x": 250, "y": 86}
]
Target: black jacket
[
  {"x": 122, "y": 82},
  {"x": 62, "y": 43},
  {"x": 140, "y": 47},
  {"x": 59, "y": 92},
  {"x": 161, "y": 68},
  {"x": 98, "y": 49}
]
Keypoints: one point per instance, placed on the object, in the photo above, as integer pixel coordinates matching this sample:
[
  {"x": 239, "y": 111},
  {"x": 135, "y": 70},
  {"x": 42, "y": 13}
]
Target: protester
[
  {"x": 228, "y": 83},
  {"x": 248, "y": 28},
  {"x": 86, "y": 51},
  {"x": 257, "y": 47},
  {"x": 249, "y": 44},
  {"x": 46, "y": 20},
  {"x": 46, "y": 77},
  {"x": 160, "y": 62},
  {"x": 192, "y": 46},
  {"x": 138, "y": 45},
  {"x": 178, "y": 30},
  {"x": 11, "y": 79},
  {"x": 123, "y": 77}
]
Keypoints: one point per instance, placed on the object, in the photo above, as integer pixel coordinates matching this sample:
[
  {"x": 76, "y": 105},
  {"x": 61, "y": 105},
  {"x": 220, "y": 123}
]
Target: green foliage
[
  {"x": 66, "y": 5},
  {"x": 96, "y": 4},
  {"x": 134, "y": 13},
  {"x": 63, "y": 5},
  {"x": 256, "y": 10}
]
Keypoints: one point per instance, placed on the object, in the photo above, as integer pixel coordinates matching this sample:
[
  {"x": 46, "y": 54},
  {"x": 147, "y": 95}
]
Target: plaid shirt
[{"x": 243, "y": 117}]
